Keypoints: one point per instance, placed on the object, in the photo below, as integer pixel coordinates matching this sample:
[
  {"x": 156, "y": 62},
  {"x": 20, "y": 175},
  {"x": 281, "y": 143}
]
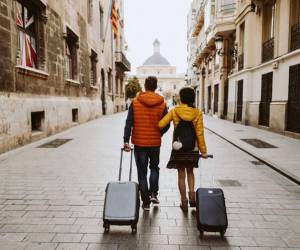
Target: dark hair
[
  {"x": 187, "y": 96},
  {"x": 151, "y": 83}
]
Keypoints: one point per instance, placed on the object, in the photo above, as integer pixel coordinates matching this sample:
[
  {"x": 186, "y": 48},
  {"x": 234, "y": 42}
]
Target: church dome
[{"x": 156, "y": 58}]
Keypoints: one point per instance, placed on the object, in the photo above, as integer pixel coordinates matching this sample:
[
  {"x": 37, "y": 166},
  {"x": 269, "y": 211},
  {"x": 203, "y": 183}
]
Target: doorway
[
  {"x": 216, "y": 98},
  {"x": 266, "y": 99},
  {"x": 225, "y": 111},
  {"x": 239, "y": 104},
  {"x": 293, "y": 116},
  {"x": 103, "y": 92},
  {"x": 209, "y": 98}
]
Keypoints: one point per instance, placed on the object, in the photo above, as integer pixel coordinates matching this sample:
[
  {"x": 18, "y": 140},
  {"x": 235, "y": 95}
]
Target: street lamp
[
  {"x": 186, "y": 79},
  {"x": 219, "y": 40},
  {"x": 219, "y": 45}
]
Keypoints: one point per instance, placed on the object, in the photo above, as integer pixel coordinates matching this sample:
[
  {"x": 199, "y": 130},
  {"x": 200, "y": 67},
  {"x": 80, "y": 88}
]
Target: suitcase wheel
[
  {"x": 201, "y": 234},
  {"x": 106, "y": 227},
  {"x": 133, "y": 229},
  {"x": 222, "y": 233}
]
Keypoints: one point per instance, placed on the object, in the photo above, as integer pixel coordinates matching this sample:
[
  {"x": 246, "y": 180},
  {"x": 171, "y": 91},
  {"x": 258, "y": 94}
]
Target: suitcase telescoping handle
[
  {"x": 208, "y": 156},
  {"x": 121, "y": 163}
]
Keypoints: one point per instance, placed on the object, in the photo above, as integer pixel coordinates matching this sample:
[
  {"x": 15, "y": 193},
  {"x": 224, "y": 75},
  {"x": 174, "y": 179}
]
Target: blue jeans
[{"x": 144, "y": 156}]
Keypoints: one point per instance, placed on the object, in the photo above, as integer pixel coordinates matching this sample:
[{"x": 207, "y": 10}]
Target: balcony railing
[
  {"x": 295, "y": 36},
  {"x": 268, "y": 50},
  {"x": 241, "y": 61},
  {"x": 122, "y": 61},
  {"x": 228, "y": 8}
]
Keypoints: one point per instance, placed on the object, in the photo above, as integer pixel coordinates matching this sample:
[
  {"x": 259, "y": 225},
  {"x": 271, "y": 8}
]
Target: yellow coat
[{"x": 186, "y": 113}]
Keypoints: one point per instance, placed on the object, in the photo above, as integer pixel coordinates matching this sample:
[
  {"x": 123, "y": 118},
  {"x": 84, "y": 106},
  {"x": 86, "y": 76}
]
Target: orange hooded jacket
[{"x": 148, "y": 109}]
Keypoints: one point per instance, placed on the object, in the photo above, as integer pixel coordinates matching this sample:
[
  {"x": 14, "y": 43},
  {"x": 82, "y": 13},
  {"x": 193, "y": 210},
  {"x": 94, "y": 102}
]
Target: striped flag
[{"x": 114, "y": 18}]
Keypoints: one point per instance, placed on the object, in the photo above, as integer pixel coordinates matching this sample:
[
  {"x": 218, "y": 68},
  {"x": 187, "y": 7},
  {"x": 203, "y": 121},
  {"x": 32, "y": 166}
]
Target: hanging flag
[
  {"x": 26, "y": 37},
  {"x": 19, "y": 15},
  {"x": 114, "y": 18}
]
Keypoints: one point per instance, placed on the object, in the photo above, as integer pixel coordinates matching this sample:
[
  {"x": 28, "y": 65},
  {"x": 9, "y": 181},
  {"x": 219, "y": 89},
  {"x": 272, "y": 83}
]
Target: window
[
  {"x": 37, "y": 121},
  {"x": 242, "y": 38},
  {"x": 117, "y": 85},
  {"x": 295, "y": 24},
  {"x": 295, "y": 12},
  {"x": 94, "y": 60},
  {"x": 26, "y": 21},
  {"x": 241, "y": 47},
  {"x": 90, "y": 10},
  {"x": 122, "y": 86},
  {"x": 227, "y": 5},
  {"x": 71, "y": 55},
  {"x": 269, "y": 11},
  {"x": 109, "y": 81},
  {"x": 75, "y": 115},
  {"x": 101, "y": 23}
]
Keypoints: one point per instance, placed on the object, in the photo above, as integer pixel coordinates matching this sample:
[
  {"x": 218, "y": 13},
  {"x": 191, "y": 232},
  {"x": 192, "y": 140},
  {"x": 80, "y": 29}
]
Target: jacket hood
[
  {"x": 150, "y": 99},
  {"x": 186, "y": 113}
]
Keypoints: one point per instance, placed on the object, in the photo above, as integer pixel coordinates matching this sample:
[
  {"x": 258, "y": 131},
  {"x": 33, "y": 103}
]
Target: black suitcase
[
  {"x": 211, "y": 211},
  {"x": 122, "y": 203}
]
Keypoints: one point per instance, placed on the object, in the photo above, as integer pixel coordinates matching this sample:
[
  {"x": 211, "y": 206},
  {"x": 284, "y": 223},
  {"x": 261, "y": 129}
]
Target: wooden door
[
  {"x": 266, "y": 99},
  {"x": 293, "y": 116},
  {"x": 239, "y": 106},
  {"x": 225, "y": 111},
  {"x": 209, "y": 98},
  {"x": 216, "y": 98}
]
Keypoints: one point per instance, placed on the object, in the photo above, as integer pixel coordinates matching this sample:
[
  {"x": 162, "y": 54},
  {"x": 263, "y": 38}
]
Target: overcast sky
[{"x": 165, "y": 20}]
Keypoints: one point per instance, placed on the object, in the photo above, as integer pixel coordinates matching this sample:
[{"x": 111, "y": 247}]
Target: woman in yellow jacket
[{"x": 187, "y": 112}]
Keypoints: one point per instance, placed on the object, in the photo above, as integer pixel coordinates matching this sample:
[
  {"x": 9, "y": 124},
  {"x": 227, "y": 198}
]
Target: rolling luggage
[
  {"x": 122, "y": 203},
  {"x": 211, "y": 210}
]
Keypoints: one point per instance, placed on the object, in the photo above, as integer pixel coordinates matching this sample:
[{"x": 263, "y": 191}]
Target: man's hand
[{"x": 127, "y": 147}]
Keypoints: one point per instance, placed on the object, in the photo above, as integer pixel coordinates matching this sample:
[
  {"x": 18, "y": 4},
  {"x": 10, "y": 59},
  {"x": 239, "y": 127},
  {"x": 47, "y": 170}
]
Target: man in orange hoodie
[{"x": 146, "y": 110}]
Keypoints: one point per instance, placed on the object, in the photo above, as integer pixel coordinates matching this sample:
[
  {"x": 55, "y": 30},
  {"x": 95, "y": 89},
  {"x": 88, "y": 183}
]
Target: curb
[{"x": 279, "y": 170}]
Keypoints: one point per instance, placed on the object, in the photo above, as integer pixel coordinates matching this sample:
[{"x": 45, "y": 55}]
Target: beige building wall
[
  {"x": 250, "y": 51},
  {"x": 60, "y": 101}
]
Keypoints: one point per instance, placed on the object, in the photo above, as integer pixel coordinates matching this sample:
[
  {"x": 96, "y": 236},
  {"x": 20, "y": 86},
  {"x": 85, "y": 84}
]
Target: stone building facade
[
  {"x": 244, "y": 56},
  {"x": 169, "y": 81},
  {"x": 59, "y": 65}
]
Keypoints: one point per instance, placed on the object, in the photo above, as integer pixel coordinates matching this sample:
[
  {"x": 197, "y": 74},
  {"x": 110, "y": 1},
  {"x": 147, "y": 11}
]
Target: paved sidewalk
[
  {"x": 52, "y": 198},
  {"x": 285, "y": 158}
]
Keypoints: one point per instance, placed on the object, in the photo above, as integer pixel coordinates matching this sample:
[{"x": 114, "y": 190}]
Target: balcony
[
  {"x": 122, "y": 62},
  {"x": 228, "y": 8},
  {"x": 199, "y": 22},
  {"x": 268, "y": 50},
  {"x": 295, "y": 36},
  {"x": 241, "y": 61}
]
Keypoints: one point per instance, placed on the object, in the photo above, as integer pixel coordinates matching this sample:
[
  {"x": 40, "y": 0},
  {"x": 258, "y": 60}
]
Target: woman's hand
[{"x": 204, "y": 156}]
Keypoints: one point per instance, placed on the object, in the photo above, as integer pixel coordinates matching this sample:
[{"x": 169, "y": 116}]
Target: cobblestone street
[{"x": 52, "y": 198}]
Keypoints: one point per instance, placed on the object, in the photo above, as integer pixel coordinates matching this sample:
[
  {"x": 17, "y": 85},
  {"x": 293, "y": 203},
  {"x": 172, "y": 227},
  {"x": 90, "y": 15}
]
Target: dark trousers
[{"x": 143, "y": 157}]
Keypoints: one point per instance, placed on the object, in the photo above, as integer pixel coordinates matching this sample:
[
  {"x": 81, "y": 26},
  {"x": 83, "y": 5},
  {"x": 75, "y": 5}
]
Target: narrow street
[{"x": 52, "y": 198}]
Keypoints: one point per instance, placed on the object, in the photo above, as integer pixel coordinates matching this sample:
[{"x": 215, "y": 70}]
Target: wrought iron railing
[
  {"x": 241, "y": 61},
  {"x": 268, "y": 50},
  {"x": 295, "y": 36}
]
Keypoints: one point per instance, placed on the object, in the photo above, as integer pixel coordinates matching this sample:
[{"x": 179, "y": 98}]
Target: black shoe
[
  {"x": 146, "y": 206},
  {"x": 153, "y": 199}
]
